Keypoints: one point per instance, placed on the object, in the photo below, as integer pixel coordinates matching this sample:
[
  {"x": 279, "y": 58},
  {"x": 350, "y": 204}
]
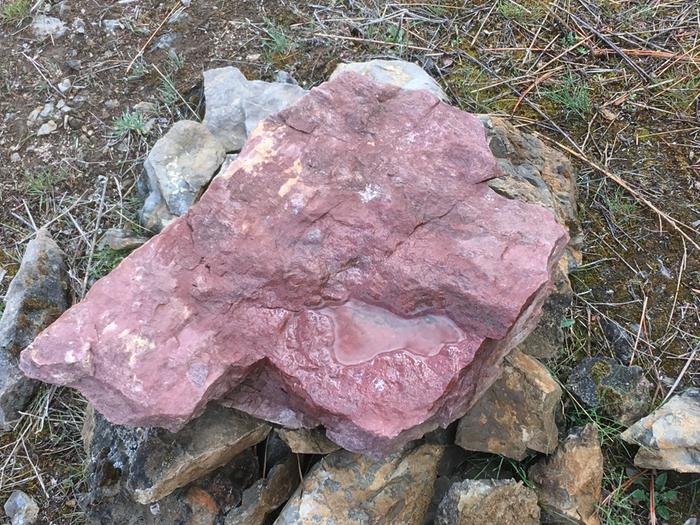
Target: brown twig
[{"x": 145, "y": 45}]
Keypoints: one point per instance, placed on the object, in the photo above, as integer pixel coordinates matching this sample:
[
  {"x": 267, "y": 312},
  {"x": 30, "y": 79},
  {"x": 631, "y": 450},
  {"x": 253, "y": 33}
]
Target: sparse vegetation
[
  {"x": 15, "y": 11},
  {"x": 130, "y": 122},
  {"x": 572, "y": 95},
  {"x": 276, "y": 41}
]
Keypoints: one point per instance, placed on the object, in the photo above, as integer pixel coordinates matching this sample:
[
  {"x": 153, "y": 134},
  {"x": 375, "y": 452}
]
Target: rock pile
[
  {"x": 336, "y": 274},
  {"x": 360, "y": 211}
]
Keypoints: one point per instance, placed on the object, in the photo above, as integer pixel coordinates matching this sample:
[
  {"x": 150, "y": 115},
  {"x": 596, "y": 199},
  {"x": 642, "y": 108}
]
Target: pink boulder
[{"x": 350, "y": 269}]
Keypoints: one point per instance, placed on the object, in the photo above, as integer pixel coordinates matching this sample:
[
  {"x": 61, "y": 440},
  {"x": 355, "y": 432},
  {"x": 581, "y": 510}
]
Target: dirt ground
[{"x": 613, "y": 83}]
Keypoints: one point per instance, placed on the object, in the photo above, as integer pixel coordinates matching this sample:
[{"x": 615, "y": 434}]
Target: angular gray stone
[
  {"x": 568, "y": 483},
  {"x": 153, "y": 463},
  {"x": 406, "y": 75},
  {"x": 47, "y": 128},
  {"x": 235, "y": 105},
  {"x": 351, "y": 488},
  {"x": 489, "y": 501},
  {"x": 517, "y": 414},
  {"x": 307, "y": 441},
  {"x": 48, "y": 26},
  {"x": 21, "y": 508},
  {"x": 37, "y": 295},
  {"x": 669, "y": 438},
  {"x": 619, "y": 392},
  {"x": 178, "y": 168},
  {"x": 266, "y": 495},
  {"x": 120, "y": 239}
]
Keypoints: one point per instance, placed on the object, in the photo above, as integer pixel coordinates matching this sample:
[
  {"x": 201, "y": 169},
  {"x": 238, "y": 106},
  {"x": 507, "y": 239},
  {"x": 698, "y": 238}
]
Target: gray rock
[
  {"x": 15, "y": 390},
  {"x": 285, "y": 78},
  {"x": 200, "y": 503},
  {"x": 619, "y": 392},
  {"x": 37, "y": 295},
  {"x": 47, "y": 110},
  {"x": 568, "y": 484},
  {"x": 21, "y": 508},
  {"x": 112, "y": 25},
  {"x": 120, "y": 239},
  {"x": 78, "y": 26},
  {"x": 177, "y": 169},
  {"x": 48, "y": 26},
  {"x": 517, "y": 414},
  {"x": 266, "y": 495},
  {"x": 152, "y": 463},
  {"x": 405, "y": 75},
  {"x": 477, "y": 502},
  {"x": 47, "y": 128},
  {"x": 351, "y": 488},
  {"x": 307, "y": 441},
  {"x": 669, "y": 438},
  {"x": 235, "y": 105},
  {"x": 64, "y": 85}
]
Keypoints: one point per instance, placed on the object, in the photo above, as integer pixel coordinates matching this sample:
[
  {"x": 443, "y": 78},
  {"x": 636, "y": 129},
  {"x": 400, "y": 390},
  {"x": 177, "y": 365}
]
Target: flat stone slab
[{"x": 351, "y": 269}]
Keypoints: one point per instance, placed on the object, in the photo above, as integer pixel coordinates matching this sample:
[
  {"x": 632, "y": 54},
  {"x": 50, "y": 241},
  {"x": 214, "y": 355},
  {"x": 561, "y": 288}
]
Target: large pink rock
[{"x": 350, "y": 269}]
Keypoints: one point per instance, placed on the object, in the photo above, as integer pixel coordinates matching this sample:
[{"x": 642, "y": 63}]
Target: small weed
[
  {"x": 622, "y": 206},
  {"x": 277, "y": 42},
  {"x": 138, "y": 70},
  {"x": 573, "y": 96},
  {"x": 511, "y": 10},
  {"x": 396, "y": 35},
  {"x": 662, "y": 496},
  {"x": 167, "y": 92},
  {"x": 617, "y": 508},
  {"x": 569, "y": 40},
  {"x": 15, "y": 11},
  {"x": 105, "y": 260},
  {"x": 175, "y": 61},
  {"x": 42, "y": 183},
  {"x": 129, "y": 122}
]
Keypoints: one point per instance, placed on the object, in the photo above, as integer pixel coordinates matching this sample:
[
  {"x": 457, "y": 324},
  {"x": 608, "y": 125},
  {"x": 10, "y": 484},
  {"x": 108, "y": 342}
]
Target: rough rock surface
[
  {"x": 21, "y": 508},
  {"x": 619, "y": 392},
  {"x": 236, "y": 105},
  {"x": 350, "y": 269},
  {"x": 568, "y": 484},
  {"x": 307, "y": 441},
  {"x": 266, "y": 495},
  {"x": 515, "y": 415},
  {"x": 37, "y": 295},
  {"x": 400, "y": 73},
  {"x": 349, "y": 488},
  {"x": 669, "y": 438},
  {"x": 489, "y": 501},
  {"x": 120, "y": 239},
  {"x": 178, "y": 168},
  {"x": 535, "y": 173},
  {"x": 48, "y": 26},
  {"x": 152, "y": 463}
]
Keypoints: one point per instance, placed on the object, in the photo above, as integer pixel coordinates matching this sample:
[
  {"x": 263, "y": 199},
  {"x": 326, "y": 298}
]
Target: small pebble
[
  {"x": 21, "y": 508},
  {"x": 64, "y": 85},
  {"x": 47, "y": 128}
]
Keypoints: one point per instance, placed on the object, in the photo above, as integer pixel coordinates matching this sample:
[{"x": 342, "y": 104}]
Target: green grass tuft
[
  {"x": 573, "y": 96},
  {"x": 15, "y": 11},
  {"x": 129, "y": 122}
]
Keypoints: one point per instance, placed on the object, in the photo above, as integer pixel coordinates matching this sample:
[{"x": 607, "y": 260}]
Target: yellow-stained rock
[{"x": 351, "y": 488}]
